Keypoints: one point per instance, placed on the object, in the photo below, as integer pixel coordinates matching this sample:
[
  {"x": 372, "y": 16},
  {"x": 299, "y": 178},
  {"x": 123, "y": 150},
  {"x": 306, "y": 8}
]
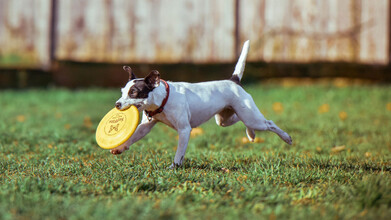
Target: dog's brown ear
[
  {"x": 153, "y": 79},
  {"x": 130, "y": 71}
]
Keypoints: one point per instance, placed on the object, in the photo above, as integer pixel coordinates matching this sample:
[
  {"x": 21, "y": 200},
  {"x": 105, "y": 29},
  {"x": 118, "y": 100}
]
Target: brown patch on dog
[
  {"x": 139, "y": 90},
  {"x": 153, "y": 79},
  {"x": 142, "y": 87},
  {"x": 235, "y": 79}
]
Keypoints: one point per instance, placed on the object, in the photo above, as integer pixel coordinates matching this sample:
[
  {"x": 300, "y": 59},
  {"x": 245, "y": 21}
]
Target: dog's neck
[{"x": 156, "y": 97}]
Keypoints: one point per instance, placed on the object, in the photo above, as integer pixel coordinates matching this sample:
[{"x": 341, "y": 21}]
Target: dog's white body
[{"x": 191, "y": 104}]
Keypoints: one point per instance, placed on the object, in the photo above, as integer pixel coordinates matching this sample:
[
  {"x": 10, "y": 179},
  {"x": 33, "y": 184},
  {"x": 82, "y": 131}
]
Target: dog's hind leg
[
  {"x": 266, "y": 125},
  {"x": 271, "y": 126},
  {"x": 249, "y": 114},
  {"x": 228, "y": 117}
]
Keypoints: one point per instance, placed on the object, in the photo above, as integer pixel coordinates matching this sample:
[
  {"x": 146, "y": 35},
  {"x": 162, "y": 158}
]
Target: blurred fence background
[{"x": 52, "y": 35}]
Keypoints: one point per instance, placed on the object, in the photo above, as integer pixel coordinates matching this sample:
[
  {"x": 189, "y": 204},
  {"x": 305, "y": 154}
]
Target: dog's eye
[{"x": 133, "y": 93}]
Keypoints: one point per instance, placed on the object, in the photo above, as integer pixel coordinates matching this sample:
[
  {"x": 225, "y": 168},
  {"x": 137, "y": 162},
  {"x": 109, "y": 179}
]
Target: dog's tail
[{"x": 239, "y": 68}]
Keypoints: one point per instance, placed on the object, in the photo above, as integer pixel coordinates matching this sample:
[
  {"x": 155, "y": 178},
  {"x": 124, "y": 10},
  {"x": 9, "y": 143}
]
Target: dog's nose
[{"x": 118, "y": 105}]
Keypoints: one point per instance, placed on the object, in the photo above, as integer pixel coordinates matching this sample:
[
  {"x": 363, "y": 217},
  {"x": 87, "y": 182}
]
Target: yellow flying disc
[{"x": 116, "y": 127}]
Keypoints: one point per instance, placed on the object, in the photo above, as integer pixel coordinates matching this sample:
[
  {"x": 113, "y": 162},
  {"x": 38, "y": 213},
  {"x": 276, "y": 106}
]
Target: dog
[{"x": 184, "y": 106}]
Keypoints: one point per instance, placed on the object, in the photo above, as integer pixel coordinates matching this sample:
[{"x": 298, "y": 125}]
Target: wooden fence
[
  {"x": 25, "y": 33},
  {"x": 34, "y": 33}
]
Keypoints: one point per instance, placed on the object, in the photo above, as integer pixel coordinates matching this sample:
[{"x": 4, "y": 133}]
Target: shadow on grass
[
  {"x": 347, "y": 167},
  {"x": 323, "y": 165}
]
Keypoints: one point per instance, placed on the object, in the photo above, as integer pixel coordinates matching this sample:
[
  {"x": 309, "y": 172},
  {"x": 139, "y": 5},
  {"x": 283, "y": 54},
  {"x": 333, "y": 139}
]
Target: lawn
[{"x": 339, "y": 166}]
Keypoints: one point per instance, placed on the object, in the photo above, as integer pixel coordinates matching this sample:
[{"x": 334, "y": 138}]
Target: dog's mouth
[
  {"x": 137, "y": 106},
  {"x": 123, "y": 109}
]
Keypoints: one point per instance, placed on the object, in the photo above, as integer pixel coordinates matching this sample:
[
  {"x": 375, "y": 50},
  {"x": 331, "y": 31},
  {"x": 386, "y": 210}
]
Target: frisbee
[{"x": 116, "y": 127}]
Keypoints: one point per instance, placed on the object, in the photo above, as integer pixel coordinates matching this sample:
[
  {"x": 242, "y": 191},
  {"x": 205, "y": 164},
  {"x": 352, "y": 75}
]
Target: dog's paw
[
  {"x": 174, "y": 166},
  {"x": 289, "y": 140},
  {"x": 116, "y": 151},
  {"x": 286, "y": 137}
]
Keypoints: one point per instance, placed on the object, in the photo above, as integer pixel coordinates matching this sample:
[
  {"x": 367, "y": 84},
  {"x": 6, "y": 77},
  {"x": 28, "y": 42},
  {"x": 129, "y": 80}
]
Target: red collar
[{"x": 161, "y": 108}]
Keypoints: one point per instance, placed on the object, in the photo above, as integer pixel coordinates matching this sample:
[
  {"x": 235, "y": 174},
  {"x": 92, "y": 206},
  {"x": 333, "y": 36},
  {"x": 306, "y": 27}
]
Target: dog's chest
[{"x": 162, "y": 118}]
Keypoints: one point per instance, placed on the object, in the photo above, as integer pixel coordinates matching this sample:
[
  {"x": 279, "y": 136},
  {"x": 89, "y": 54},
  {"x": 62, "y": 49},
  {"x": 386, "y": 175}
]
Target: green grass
[{"x": 51, "y": 167}]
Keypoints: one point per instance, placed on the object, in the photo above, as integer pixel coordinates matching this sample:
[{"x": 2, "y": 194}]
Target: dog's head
[{"x": 137, "y": 91}]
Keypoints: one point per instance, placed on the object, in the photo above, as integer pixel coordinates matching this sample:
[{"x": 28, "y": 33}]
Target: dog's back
[{"x": 206, "y": 99}]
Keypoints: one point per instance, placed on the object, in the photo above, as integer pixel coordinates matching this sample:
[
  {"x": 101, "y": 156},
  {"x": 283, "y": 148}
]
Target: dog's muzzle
[{"x": 118, "y": 105}]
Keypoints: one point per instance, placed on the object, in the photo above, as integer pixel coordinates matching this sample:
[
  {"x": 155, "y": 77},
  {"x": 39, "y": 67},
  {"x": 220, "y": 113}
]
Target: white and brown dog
[{"x": 184, "y": 106}]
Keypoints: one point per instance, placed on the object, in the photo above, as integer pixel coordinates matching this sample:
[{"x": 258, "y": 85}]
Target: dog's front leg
[
  {"x": 184, "y": 136},
  {"x": 142, "y": 129}
]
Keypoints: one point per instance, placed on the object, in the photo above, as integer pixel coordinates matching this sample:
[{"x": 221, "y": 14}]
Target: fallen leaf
[
  {"x": 303, "y": 201},
  {"x": 277, "y": 107},
  {"x": 389, "y": 106},
  {"x": 196, "y": 132},
  {"x": 245, "y": 140},
  {"x": 343, "y": 115},
  {"x": 363, "y": 213},
  {"x": 324, "y": 108},
  {"x": 67, "y": 126},
  {"x": 272, "y": 216},
  {"x": 259, "y": 140},
  {"x": 87, "y": 122},
  {"x": 157, "y": 204},
  {"x": 338, "y": 149},
  {"x": 225, "y": 170},
  {"x": 21, "y": 118},
  {"x": 241, "y": 178}
]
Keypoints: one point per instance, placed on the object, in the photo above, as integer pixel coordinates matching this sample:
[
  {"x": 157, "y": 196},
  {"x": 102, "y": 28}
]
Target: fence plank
[
  {"x": 165, "y": 31},
  {"x": 24, "y": 33},
  {"x": 374, "y": 40},
  {"x": 308, "y": 30}
]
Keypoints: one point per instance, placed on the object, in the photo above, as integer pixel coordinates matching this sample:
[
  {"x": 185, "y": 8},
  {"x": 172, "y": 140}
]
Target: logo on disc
[{"x": 115, "y": 124}]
